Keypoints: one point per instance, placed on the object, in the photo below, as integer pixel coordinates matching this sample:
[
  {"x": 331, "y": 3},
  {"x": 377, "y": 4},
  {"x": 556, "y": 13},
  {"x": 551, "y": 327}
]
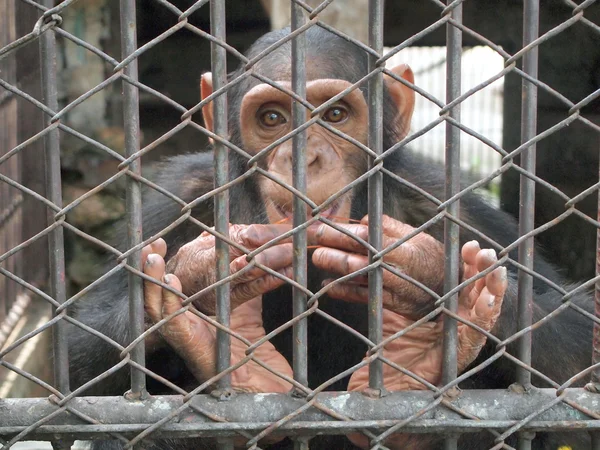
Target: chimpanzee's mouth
[{"x": 329, "y": 213}]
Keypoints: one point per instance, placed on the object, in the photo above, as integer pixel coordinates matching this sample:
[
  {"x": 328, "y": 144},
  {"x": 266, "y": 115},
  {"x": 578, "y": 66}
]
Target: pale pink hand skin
[
  {"x": 194, "y": 339},
  {"x": 420, "y": 350}
]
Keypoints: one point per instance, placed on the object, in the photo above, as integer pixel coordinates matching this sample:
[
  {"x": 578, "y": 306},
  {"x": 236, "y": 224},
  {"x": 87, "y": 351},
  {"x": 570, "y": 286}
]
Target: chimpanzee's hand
[
  {"x": 194, "y": 264},
  {"x": 421, "y": 258},
  {"x": 194, "y": 339},
  {"x": 420, "y": 350},
  {"x": 159, "y": 247}
]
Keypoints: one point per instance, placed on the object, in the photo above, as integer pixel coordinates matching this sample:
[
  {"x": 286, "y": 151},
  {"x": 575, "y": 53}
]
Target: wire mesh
[{"x": 214, "y": 409}]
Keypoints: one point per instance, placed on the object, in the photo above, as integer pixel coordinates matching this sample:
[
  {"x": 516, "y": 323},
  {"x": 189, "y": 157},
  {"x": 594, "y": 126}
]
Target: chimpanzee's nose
[{"x": 314, "y": 147}]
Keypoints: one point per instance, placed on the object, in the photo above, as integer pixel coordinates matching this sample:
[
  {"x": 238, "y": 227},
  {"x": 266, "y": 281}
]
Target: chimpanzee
[{"x": 260, "y": 210}]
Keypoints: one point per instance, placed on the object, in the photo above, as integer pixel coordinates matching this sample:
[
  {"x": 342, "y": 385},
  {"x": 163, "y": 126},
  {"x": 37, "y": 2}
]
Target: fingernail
[
  {"x": 490, "y": 252},
  {"x": 151, "y": 259},
  {"x": 503, "y": 273},
  {"x": 473, "y": 242},
  {"x": 167, "y": 279}
]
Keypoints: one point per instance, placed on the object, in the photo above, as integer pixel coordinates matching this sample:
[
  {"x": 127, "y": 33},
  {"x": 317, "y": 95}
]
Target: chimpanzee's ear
[
  {"x": 206, "y": 89},
  {"x": 403, "y": 96}
]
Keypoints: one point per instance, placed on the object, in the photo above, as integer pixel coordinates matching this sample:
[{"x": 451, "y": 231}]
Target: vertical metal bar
[
  {"x": 527, "y": 197},
  {"x": 54, "y": 193},
  {"x": 221, "y": 161},
  {"x": 131, "y": 123},
  {"x": 299, "y": 207},
  {"x": 595, "y": 378},
  {"x": 525, "y": 439},
  {"x": 452, "y": 166},
  {"x": 451, "y": 229},
  {"x": 527, "y": 187},
  {"x": 375, "y": 142}
]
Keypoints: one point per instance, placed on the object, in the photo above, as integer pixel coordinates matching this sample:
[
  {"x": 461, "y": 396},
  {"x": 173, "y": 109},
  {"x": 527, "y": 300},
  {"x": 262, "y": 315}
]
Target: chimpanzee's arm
[{"x": 106, "y": 308}]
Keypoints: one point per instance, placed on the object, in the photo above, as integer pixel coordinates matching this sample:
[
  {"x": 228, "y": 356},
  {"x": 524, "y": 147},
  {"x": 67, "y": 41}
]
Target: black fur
[{"x": 560, "y": 348}]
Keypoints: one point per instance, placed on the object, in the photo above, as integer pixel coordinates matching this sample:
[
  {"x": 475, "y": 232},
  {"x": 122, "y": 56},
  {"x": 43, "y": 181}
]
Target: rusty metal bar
[
  {"x": 451, "y": 229},
  {"x": 221, "y": 168},
  {"x": 527, "y": 199},
  {"x": 299, "y": 168},
  {"x": 527, "y": 188},
  {"x": 502, "y": 408},
  {"x": 133, "y": 193},
  {"x": 54, "y": 193},
  {"x": 375, "y": 186},
  {"x": 221, "y": 213},
  {"x": 299, "y": 206}
]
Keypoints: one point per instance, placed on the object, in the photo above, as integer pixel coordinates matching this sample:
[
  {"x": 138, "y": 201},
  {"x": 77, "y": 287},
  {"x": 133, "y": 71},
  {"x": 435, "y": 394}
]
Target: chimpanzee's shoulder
[
  {"x": 187, "y": 176},
  {"x": 198, "y": 164}
]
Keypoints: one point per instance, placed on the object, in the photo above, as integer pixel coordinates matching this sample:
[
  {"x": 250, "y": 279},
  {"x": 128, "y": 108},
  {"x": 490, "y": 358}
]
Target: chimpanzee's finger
[
  {"x": 189, "y": 336},
  {"x": 338, "y": 261},
  {"x": 171, "y": 302},
  {"x": 353, "y": 292},
  {"x": 155, "y": 268},
  {"x": 485, "y": 258},
  {"x": 402, "y": 256},
  {"x": 349, "y": 292},
  {"x": 344, "y": 263},
  {"x": 469, "y": 255},
  {"x": 159, "y": 247},
  {"x": 484, "y": 314},
  {"x": 145, "y": 252},
  {"x": 246, "y": 291},
  {"x": 327, "y": 236},
  {"x": 255, "y": 235},
  {"x": 391, "y": 227},
  {"x": 422, "y": 255},
  {"x": 469, "y": 252},
  {"x": 276, "y": 258},
  {"x": 497, "y": 282}
]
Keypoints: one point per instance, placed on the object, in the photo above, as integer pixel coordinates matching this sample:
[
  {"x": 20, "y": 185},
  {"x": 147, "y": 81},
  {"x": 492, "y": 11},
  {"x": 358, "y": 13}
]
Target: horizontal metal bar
[{"x": 497, "y": 409}]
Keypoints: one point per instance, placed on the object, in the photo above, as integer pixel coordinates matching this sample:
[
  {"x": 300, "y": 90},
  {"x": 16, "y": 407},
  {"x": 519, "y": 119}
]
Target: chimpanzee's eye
[
  {"x": 336, "y": 114},
  {"x": 272, "y": 118}
]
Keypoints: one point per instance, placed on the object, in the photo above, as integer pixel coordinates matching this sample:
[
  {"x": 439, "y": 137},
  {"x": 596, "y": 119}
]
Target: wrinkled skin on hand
[
  {"x": 194, "y": 339},
  {"x": 421, "y": 258},
  {"x": 194, "y": 264},
  {"x": 421, "y": 349}
]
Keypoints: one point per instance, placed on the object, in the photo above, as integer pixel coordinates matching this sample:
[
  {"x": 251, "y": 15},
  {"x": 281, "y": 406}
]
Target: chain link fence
[{"x": 221, "y": 417}]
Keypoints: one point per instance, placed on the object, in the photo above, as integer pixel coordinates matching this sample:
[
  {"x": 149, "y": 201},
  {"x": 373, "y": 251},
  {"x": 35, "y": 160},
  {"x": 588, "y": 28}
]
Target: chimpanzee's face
[
  {"x": 332, "y": 161},
  {"x": 336, "y": 153}
]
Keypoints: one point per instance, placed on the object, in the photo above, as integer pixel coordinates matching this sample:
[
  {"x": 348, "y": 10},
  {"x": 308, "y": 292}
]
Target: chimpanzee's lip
[{"x": 327, "y": 213}]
